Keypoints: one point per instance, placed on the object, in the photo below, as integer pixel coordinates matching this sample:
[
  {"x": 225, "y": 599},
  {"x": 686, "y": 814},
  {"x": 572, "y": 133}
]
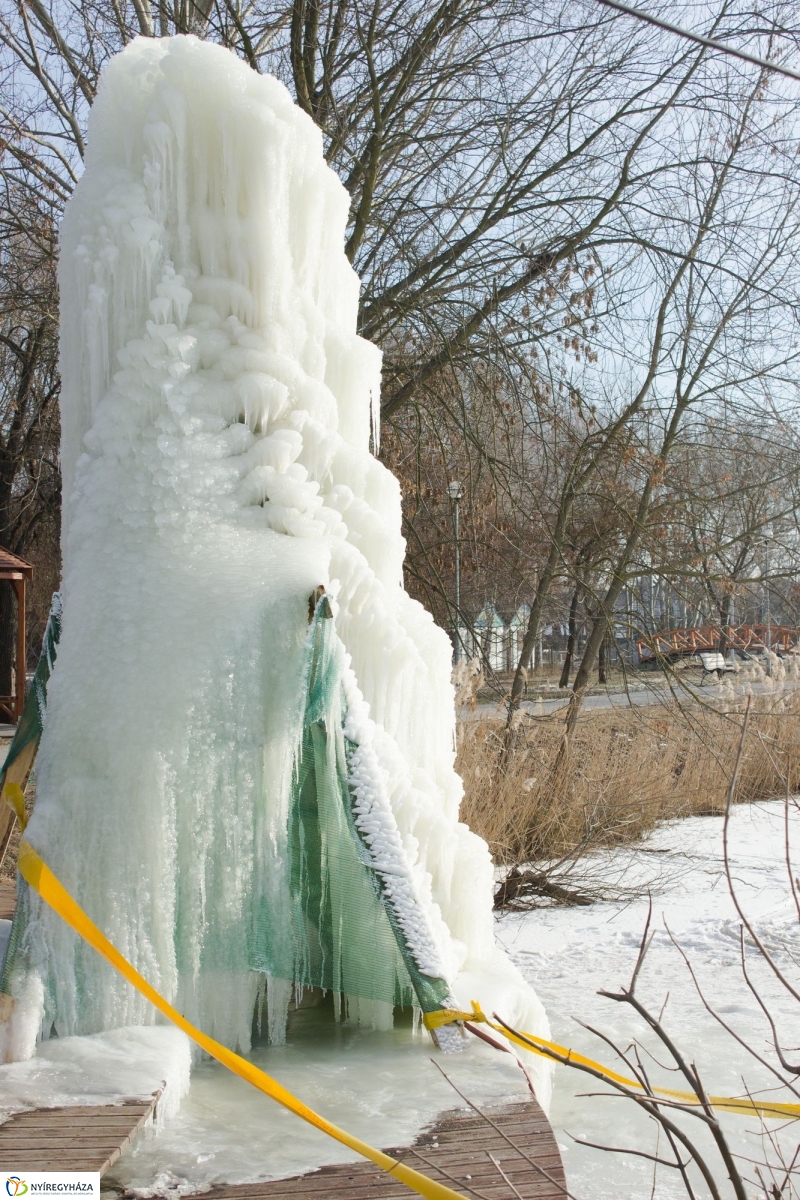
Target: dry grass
[{"x": 624, "y": 771}]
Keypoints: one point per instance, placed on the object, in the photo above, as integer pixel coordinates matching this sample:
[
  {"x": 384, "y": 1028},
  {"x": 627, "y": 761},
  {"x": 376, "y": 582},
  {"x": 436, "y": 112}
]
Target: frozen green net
[
  {"x": 344, "y": 936},
  {"x": 28, "y": 732},
  {"x": 20, "y": 758}
]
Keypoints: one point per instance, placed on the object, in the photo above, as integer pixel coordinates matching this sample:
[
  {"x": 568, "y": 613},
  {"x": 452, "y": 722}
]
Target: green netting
[
  {"x": 20, "y": 757},
  {"x": 345, "y": 937},
  {"x": 18, "y": 927},
  {"x": 29, "y": 728}
]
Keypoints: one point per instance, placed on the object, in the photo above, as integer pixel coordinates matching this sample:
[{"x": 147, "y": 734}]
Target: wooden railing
[{"x": 676, "y": 643}]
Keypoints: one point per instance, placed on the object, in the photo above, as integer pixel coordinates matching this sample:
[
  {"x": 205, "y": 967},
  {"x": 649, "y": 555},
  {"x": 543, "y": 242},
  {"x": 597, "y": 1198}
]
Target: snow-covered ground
[{"x": 569, "y": 954}]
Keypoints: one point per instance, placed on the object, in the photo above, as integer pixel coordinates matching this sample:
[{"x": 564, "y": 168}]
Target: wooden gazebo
[{"x": 17, "y": 572}]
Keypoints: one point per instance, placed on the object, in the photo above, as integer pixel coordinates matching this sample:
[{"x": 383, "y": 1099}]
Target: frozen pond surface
[{"x": 569, "y": 954}]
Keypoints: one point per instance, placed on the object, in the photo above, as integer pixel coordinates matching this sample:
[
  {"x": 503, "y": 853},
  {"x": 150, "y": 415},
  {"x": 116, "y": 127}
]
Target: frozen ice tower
[{"x": 251, "y": 793}]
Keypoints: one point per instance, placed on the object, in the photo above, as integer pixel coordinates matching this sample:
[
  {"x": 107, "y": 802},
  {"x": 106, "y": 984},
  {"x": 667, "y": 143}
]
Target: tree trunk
[
  {"x": 725, "y": 622},
  {"x": 602, "y": 660},
  {"x": 600, "y": 625},
  {"x": 571, "y": 636},
  {"x": 8, "y": 604}
]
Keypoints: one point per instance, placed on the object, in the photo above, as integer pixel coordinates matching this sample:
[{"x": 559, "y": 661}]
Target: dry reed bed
[{"x": 623, "y": 771}]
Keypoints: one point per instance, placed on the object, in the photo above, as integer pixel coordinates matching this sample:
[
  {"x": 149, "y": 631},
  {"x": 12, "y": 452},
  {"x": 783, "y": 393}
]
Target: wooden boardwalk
[
  {"x": 8, "y": 901},
  {"x": 470, "y": 1153},
  {"x": 71, "y": 1139},
  {"x": 461, "y": 1149}
]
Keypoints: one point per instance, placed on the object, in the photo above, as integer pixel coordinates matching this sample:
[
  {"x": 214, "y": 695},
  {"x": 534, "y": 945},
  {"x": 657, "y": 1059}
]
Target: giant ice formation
[{"x": 217, "y": 410}]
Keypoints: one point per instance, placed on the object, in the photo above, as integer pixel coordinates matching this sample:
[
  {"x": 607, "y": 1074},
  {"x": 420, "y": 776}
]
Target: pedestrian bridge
[{"x": 680, "y": 643}]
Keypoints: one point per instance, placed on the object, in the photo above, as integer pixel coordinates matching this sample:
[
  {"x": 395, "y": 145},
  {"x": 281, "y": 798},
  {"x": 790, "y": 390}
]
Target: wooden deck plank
[
  {"x": 78, "y": 1122},
  {"x": 8, "y": 901},
  {"x": 455, "y": 1150},
  {"x": 83, "y": 1138},
  {"x": 111, "y": 1112},
  {"x": 320, "y": 1185},
  {"x": 69, "y": 1125},
  {"x": 46, "y": 1141}
]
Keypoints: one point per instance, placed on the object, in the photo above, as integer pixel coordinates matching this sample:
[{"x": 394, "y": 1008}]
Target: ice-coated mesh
[
  {"x": 19, "y": 761},
  {"x": 344, "y": 934},
  {"x": 29, "y": 729}
]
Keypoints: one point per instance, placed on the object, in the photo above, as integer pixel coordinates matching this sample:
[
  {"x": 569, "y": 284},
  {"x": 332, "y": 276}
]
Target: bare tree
[
  {"x": 705, "y": 336},
  {"x": 29, "y": 478}
]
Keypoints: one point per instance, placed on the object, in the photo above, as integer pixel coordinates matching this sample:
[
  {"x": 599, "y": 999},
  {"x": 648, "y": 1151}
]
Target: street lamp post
[{"x": 456, "y": 491}]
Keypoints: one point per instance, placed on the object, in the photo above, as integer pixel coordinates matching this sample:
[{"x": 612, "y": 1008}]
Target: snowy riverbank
[{"x": 569, "y": 954}]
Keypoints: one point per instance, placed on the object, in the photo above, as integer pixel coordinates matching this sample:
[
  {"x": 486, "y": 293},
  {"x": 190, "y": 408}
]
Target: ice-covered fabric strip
[
  {"x": 376, "y": 823},
  {"x": 364, "y": 927}
]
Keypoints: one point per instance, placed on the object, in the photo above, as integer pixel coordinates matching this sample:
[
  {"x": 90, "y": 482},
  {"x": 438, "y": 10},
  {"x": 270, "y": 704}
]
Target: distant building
[{"x": 490, "y": 639}]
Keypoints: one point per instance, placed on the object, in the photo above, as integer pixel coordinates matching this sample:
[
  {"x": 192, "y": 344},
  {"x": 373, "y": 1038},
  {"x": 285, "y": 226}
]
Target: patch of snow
[
  {"x": 569, "y": 954},
  {"x": 104, "y": 1068}
]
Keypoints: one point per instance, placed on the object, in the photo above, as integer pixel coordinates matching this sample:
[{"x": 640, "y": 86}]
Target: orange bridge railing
[{"x": 675, "y": 643}]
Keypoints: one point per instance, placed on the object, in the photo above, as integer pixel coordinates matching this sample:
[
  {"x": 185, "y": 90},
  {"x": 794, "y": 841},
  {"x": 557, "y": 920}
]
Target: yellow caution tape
[
  {"x": 13, "y": 778},
  {"x": 551, "y": 1050},
  {"x": 42, "y": 880},
  {"x": 15, "y": 798}
]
